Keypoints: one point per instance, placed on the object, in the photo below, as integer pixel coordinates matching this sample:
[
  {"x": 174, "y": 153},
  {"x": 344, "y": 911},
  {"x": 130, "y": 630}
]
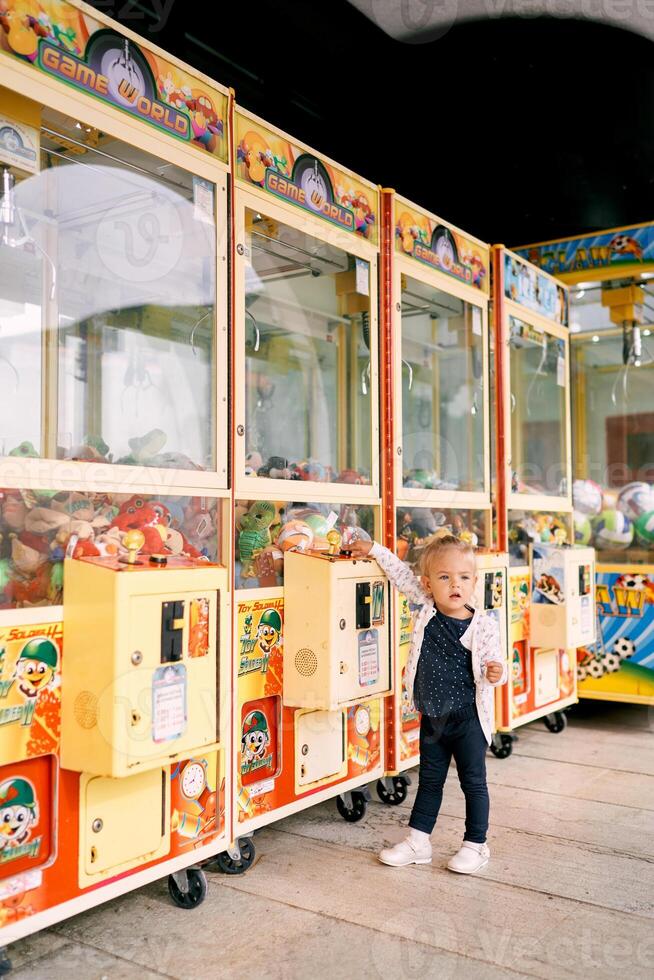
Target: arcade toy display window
[
  {"x": 538, "y": 430},
  {"x": 108, "y": 336},
  {"x": 308, "y": 358},
  {"x": 443, "y": 398}
]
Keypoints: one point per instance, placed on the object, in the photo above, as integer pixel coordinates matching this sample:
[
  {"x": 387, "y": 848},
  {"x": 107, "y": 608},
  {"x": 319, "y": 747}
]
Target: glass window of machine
[
  {"x": 443, "y": 398},
  {"x": 308, "y": 366},
  {"x": 116, "y": 250},
  {"x": 538, "y": 429}
]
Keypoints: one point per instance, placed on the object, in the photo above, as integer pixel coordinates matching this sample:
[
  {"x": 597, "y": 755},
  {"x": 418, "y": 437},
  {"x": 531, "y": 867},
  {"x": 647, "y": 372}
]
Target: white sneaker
[
  {"x": 470, "y": 858},
  {"x": 406, "y": 852}
]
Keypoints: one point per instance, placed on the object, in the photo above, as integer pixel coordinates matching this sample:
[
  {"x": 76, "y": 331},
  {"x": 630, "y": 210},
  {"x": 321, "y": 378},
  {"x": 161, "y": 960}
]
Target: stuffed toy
[{"x": 26, "y": 578}]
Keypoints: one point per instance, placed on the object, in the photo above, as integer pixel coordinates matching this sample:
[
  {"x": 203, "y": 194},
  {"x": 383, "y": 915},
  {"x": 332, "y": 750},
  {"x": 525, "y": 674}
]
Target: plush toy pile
[
  {"x": 38, "y": 528},
  {"x": 279, "y": 468},
  {"x": 266, "y": 530}
]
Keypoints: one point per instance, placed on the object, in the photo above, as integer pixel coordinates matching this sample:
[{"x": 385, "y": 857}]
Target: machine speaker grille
[
  {"x": 85, "y": 709},
  {"x": 306, "y": 662},
  {"x": 547, "y": 616}
]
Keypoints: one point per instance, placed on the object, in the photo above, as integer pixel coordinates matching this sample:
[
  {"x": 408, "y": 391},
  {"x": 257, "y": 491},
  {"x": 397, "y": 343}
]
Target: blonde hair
[{"x": 435, "y": 548}]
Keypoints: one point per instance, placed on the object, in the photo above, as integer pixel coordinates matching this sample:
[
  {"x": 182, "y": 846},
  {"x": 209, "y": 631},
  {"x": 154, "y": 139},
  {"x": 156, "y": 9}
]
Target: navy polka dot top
[{"x": 444, "y": 678}]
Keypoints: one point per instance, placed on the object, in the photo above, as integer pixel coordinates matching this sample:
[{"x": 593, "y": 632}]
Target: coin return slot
[
  {"x": 172, "y": 629},
  {"x": 364, "y": 605}
]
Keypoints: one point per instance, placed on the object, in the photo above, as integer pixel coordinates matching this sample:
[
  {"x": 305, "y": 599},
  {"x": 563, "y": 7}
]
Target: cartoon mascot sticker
[
  {"x": 18, "y": 812},
  {"x": 255, "y": 740},
  {"x": 36, "y": 666},
  {"x": 268, "y": 631}
]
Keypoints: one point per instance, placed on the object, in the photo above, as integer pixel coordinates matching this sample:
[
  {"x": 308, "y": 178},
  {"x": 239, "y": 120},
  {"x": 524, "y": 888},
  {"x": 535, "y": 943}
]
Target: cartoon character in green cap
[
  {"x": 255, "y": 737},
  {"x": 18, "y": 812},
  {"x": 36, "y": 665},
  {"x": 269, "y": 630}
]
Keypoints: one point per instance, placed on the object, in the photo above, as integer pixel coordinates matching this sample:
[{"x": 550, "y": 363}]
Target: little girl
[{"x": 454, "y": 664}]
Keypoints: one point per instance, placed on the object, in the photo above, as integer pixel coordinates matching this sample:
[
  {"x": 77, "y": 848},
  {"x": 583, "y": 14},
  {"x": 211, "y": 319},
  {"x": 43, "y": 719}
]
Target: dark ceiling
[{"x": 517, "y": 130}]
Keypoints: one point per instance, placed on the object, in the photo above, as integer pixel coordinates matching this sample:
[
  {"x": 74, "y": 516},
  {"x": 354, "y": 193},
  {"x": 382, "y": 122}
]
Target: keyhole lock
[
  {"x": 137, "y": 658},
  {"x": 342, "y": 624},
  {"x": 305, "y": 749},
  {"x": 97, "y": 825},
  {"x": 240, "y": 430},
  {"x": 240, "y": 249}
]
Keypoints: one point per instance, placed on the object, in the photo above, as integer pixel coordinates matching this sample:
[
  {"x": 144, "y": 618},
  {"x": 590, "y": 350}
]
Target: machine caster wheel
[
  {"x": 188, "y": 889},
  {"x": 393, "y": 789},
  {"x": 352, "y": 806},
  {"x": 239, "y": 860},
  {"x": 556, "y": 722},
  {"x": 501, "y": 745},
  {"x": 5, "y": 963}
]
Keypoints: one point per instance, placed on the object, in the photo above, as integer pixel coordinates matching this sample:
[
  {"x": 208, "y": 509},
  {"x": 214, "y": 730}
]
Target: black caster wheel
[
  {"x": 393, "y": 790},
  {"x": 188, "y": 889},
  {"x": 556, "y": 722},
  {"x": 230, "y": 865},
  {"x": 5, "y": 963},
  {"x": 501, "y": 745},
  {"x": 352, "y": 806}
]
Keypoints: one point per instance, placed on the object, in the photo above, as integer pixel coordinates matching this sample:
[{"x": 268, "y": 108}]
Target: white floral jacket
[{"x": 482, "y": 637}]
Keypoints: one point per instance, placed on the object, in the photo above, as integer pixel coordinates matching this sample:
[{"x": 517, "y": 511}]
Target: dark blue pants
[{"x": 457, "y": 735}]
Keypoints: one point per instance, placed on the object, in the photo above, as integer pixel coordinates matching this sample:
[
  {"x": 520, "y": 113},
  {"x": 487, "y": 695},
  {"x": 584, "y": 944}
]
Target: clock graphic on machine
[
  {"x": 443, "y": 244},
  {"x": 362, "y": 721},
  {"x": 193, "y": 779},
  {"x": 312, "y": 176}
]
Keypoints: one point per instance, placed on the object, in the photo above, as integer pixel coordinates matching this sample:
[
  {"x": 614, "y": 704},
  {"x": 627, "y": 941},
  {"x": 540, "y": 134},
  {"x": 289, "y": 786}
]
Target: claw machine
[
  {"x": 610, "y": 275},
  {"x": 551, "y": 595},
  {"x": 311, "y": 626},
  {"x": 115, "y": 589},
  {"x": 436, "y": 413}
]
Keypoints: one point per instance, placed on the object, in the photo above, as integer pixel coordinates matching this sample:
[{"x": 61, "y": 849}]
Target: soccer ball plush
[
  {"x": 613, "y": 530},
  {"x": 583, "y": 528},
  {"x": 636, "y": 499},
  {"x": 587, "y": 496},
  {"x": 612, "y": 662},
  {"x": 624, "y": 648},
  {"x": 644, "y": 526},
  {"x": 596, "y": 669}
]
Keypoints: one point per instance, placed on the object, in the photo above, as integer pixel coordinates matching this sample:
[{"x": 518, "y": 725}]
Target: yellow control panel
[
  {"x": 336, "y": 630},
  {"x": 562, "y": 613},
  {"x": 142, "y": 642}
]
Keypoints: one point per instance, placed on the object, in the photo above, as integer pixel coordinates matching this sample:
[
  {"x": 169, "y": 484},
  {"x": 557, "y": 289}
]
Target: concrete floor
[{"x": 569, "y": 891}]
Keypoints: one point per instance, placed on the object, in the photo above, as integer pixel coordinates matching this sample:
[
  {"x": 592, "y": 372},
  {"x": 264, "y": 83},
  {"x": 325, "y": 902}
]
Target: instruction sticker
[
  {"x": 586, "y": 616},
  {"x": 368, "y": 657},
  {"x": 476, "y": 321},
  {"x": 560, "y": 372},
  {"x": 362, "y": 277},
  {"x": 203, "y": 201},
  {"x": 168, "y": 702}
]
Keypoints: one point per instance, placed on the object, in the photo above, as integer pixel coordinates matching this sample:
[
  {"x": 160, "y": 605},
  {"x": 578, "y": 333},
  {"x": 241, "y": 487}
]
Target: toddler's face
[{"x": 451, "y": 582}]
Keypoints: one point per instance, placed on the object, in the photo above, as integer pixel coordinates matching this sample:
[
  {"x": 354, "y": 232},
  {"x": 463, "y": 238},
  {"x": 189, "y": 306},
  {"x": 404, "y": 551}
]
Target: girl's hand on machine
[
  {"x": 360, "y": 549},
  {"x": 493, "y": 671}
]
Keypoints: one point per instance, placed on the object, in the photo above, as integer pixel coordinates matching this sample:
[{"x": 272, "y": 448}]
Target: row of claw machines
[{"x": 223, "y": 358}]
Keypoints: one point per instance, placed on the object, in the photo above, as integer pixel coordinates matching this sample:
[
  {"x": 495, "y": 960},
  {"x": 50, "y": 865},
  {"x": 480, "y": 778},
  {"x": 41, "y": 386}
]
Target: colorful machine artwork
[
  {"x": 292, "y": 173},
  {"x": 440, "y": 246},
  {"x": 526, "y": 285},
  {"x": 620, "y": 666},
  {"x": 269, "y": 731},
  {"x": 62, "y": 42},
  {"x": 619, "y": 249}
]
